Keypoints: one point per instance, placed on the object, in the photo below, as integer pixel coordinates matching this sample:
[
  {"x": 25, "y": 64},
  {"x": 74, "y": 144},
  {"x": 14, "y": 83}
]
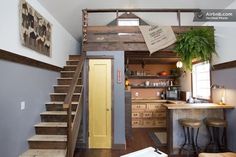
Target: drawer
[
  {"x": 148, "y": 123},
  {"x": 136, "y": 115},
  {"x": 159, "y": 114},
  {"x": 147, "y": 115},
  {"x": 160, "y": 123},
  {"x": 154, "y": 106},
  {"x": 138, "y": 106},
  {"x": 136, "y": 122}
]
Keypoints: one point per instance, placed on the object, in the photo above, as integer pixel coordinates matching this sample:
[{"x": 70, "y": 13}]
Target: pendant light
[{"x": 179, "y": 64}]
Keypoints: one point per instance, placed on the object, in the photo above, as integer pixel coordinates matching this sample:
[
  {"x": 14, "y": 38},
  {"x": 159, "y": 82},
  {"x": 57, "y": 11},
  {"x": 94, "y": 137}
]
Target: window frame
[
  {"x": 210, "y": 81},
  {"x": 128, "y": 19}
]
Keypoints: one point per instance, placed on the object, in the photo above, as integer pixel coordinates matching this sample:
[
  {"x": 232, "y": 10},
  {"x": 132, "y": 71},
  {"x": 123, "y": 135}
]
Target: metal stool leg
[
  {"x": 185, "y": 139},
  {"x": 188, "y": 136},
  {"x": 192, "y": 141},
  {"x": 211, "y": 135},
  {"x": 217, "y": 139},
  {"x": 224, "y": 139},
  {"x": 196, "y": 140}
]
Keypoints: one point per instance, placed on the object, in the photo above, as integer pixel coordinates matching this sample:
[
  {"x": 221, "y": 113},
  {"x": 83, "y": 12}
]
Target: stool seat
[
  {"x": 216, "y": 122},
  {"x": 187, "y": 122}
]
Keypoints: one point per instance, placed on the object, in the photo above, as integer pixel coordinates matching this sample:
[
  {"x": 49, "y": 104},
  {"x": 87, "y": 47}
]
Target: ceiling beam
[
  {"x": 191, "y": 10},
  {"x": 146, "y": 54},
  {"x": 151, "y": 62}
]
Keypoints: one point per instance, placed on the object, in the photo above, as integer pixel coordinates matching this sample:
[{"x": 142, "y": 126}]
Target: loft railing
[
  {"x": 73, "y": 126},
  {"x": 108, "y": 38}
]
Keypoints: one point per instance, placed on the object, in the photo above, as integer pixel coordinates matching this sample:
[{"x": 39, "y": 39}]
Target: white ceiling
[{"x": 69, "y": 12}]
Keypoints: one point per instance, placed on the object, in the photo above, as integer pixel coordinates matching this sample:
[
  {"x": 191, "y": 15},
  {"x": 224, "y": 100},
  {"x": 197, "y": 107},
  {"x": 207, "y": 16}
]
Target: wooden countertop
[
  {"x": 149, "y": 100},
  {"x": 177, "y": 106}
]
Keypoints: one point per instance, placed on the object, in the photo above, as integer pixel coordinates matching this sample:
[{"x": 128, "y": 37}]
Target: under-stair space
[{"x": 50, "y": 139}]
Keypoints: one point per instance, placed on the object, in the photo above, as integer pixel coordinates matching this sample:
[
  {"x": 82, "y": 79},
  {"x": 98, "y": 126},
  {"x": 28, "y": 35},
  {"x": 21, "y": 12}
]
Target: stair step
[
  {"x": 69, "y": 68},
  {"x": 62, "y": 96},
  {"x": 51, "y": 128},
  {"x": 65, "y": 88},
  {"x": 67, "y": 81},
  {"x": 44, "y": 153},
  {"x": 71, "y": 57},
  {"x": 69, "y": 74},
  {"x": 47, "y": 142},
  {"x": 55, "y": 116},
  {"x": 58, "y": 106},
  {"x": 72, "y": 62}
]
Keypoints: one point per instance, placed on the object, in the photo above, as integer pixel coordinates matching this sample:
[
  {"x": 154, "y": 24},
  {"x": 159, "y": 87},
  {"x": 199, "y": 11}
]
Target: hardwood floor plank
[{"x": 140, "y": 139}]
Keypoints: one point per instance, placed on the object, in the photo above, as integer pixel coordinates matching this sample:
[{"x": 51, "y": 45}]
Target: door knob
[{"x": 108, "y": 109}]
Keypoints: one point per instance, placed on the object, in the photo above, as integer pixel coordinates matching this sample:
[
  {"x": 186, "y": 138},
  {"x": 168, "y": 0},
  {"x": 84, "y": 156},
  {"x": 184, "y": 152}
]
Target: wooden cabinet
[{"x": 148, "y": 114}]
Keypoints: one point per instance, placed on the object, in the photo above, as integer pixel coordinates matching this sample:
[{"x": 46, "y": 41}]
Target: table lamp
[{"x": 222, "y": 88}]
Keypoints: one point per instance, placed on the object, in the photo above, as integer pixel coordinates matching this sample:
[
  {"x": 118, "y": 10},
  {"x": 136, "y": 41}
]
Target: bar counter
[
  {"x": 180, "y": 109},
  {"x": 175, "y": 105}
]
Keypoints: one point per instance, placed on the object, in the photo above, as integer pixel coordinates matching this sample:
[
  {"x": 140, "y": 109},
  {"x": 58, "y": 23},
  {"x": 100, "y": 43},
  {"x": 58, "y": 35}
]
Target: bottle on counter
[{"x": 163, "y": 95}]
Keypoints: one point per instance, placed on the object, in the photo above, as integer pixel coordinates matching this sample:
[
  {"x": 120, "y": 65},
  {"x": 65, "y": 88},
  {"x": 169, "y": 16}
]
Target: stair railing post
[{"x": 69, "y": 132}]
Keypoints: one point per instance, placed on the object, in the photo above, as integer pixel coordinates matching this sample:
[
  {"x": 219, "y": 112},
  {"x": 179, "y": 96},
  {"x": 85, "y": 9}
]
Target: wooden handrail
[{"x": 73, "y": 126}]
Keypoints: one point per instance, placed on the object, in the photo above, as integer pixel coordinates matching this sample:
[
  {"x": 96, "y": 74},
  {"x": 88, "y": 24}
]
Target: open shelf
[
  {"x": 154, "y": 86},
  {"x": 152, "y": 77}
]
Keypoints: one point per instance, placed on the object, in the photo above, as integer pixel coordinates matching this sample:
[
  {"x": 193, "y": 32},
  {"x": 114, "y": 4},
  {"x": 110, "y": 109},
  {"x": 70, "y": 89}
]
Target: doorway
[{"x": 100, "y": 100}]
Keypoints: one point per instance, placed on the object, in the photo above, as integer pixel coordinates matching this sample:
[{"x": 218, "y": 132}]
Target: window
[
  {"x": 201, "y": 80},
  {"x": 128, "y": 22}
]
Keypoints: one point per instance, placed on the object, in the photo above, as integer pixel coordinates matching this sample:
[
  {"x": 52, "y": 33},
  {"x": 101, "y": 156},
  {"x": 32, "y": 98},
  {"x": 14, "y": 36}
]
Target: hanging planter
[{"x": 196, "y": 44}]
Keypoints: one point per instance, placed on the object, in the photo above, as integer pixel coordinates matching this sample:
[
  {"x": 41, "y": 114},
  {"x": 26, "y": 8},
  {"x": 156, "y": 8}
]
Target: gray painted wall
[
  {"x": 119, "y": 96},
  {"x": 21, "y": 83},
  {"x": 227, "y": 78}
]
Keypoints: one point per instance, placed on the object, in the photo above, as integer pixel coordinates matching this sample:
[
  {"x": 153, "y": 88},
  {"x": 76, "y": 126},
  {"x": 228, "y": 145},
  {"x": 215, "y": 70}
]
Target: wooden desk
[{"x": 171, "y": 107}]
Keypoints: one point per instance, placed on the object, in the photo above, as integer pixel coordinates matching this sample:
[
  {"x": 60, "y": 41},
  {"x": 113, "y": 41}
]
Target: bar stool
[
  {"x": 218, "y": 140},
  {"x": 189, "y": 140}
]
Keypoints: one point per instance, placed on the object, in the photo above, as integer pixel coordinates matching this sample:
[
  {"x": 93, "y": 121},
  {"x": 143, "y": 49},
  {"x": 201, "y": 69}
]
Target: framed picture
[{"x": 35, "y": 30}]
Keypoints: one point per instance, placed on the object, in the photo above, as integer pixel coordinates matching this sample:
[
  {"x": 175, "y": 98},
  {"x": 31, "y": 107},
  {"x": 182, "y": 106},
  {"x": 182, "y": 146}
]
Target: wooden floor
[{"x": 139, "y": 141}]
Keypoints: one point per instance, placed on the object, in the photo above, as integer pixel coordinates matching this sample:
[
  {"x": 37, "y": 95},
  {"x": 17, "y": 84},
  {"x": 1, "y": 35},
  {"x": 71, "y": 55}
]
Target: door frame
[{"x": 112, "y": 94}]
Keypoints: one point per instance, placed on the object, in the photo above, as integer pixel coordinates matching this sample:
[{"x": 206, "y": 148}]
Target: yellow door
[{"x": 99, "y": 103}]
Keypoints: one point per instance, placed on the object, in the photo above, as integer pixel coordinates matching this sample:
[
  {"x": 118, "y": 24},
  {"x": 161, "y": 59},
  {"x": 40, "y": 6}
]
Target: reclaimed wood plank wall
[{"x": 108, "y": 38}]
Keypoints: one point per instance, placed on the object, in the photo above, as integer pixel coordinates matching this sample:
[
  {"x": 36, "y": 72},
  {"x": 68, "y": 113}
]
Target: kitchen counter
[
  {"x": 182, "y": 105},
  {"x": 159, "y": 101},
  {"x": 180, "y": 109}
]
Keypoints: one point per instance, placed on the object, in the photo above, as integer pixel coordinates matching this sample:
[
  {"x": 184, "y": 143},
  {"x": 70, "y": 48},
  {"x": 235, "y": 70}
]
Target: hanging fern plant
[{"x": 196, "y": 44}]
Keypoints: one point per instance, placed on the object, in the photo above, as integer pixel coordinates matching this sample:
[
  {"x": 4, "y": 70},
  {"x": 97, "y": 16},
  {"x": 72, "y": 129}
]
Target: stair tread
[
  {"x": 63, "y": 93},
  {"x": 56, "y": 138},
  {"x": 67, "y": 71},
  {"x": 56, "y": 113},
  {"x": 51, "y": 124},
  {"x": 66, "y": 78},
  {"x": 60, "y": 102},
  {"x": 73, "y": 60},
  {"x": 44, "y": 153},
  {"x": 66, "y": 85},
  {"x": 70, "y": 66}
]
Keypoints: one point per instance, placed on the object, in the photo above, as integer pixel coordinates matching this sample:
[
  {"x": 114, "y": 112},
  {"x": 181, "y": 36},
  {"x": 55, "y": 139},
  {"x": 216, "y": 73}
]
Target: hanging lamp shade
[{"x": 179, "y": 64}]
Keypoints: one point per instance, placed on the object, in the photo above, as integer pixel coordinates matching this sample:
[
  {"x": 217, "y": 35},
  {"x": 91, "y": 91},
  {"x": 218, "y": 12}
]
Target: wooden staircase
[{"x": 51, "y": 133}]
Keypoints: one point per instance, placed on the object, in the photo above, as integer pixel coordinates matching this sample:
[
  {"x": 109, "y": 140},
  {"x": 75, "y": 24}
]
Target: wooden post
[
  {"x": 179, "y": 17},
  {"x": 117, "y": 15},
  {"x": 84, "y": 27},
  {"x": 69, "y": 134}
]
